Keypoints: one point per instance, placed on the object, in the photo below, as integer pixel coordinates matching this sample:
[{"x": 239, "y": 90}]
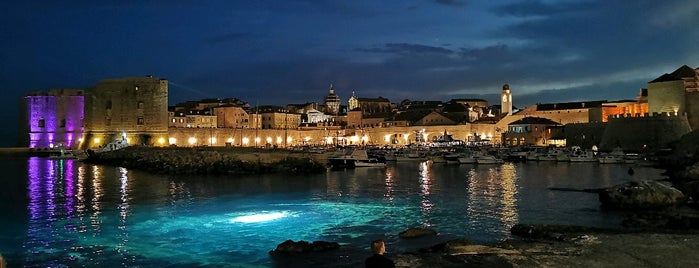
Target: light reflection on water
[{"x": 84, "y": 215}]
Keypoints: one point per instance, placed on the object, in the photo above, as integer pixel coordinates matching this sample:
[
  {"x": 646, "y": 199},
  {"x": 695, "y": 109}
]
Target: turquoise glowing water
[{"x": 66, "y": 214}]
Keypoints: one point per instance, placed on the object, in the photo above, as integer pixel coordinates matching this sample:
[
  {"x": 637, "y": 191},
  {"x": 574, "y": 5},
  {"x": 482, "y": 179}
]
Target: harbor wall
[
  {"x": 328, "y": 137},
  {"x": 584, "y": 135},
  {"x": 648, "y": 133}
]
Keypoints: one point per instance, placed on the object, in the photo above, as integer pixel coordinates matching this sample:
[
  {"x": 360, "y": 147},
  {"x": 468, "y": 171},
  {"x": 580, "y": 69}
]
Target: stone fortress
[{"x": 136, "y": 108}]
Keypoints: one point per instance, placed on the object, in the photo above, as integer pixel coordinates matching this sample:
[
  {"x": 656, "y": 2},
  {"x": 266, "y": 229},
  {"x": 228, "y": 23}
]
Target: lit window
[{"x": 140, "y": 121}]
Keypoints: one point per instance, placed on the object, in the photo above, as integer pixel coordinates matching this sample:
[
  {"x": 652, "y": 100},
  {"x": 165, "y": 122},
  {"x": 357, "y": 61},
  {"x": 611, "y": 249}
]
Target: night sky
[{"x": 279, "y": 52}]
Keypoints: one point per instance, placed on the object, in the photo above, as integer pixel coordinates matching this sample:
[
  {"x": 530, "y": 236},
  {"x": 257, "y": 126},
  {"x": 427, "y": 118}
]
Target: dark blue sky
[{"x": 279, "y": 52}]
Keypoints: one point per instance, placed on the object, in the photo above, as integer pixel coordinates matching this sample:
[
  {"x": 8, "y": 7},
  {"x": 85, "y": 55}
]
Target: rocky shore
[
  {"x": 208, "y": 161},
  {"x": 564, "y": 246}
]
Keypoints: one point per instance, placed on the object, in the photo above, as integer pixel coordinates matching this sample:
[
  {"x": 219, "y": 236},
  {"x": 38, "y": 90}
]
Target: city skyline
[{"x": 271, "y": 52}]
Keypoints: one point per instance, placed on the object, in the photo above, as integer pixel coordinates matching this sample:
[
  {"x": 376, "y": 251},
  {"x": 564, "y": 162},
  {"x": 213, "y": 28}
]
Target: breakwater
[{"x": 210, "y": 160}]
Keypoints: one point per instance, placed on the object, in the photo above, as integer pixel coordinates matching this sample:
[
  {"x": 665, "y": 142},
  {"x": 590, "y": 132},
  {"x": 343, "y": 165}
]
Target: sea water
[{"x": 63, "y": 213}]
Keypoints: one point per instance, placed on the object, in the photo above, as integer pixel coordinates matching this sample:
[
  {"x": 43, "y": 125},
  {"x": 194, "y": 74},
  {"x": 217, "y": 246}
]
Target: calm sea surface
[{"x": 63, "y": 213}]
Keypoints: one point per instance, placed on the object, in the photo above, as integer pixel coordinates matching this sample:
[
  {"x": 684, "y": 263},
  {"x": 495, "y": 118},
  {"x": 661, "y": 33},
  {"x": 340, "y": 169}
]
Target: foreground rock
[
  {"x": 563, "y": 246},
  {"x": 416, "y": 232},
  {"x": 289, "y": 246},
  {"x": 641, "y": 195}
]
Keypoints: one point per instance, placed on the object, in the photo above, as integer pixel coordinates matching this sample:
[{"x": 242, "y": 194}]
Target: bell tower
[
  {"x": 332, "y": 102},
  {"x": 506, "y": 100}
]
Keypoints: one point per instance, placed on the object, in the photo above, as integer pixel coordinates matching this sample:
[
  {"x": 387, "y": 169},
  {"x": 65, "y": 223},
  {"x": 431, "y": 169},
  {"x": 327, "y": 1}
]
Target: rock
[
  {"x": 688, "y": 173},
  {"x": 289, "y": 246},
  {"x": 447, "y": 246},
  {"x": 641, "y": 195},
  {"x": 416, "y": 232},
  {"x": 480, "y": 249},
  {"x": 552, "y": 232},
  {"x": 691, "y": 189}
]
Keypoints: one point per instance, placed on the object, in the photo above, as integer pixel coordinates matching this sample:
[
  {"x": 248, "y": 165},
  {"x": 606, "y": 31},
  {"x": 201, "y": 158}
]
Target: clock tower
[{"x": 506, "y": 100}]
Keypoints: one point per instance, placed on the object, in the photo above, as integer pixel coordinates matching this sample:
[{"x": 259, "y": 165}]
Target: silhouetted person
[
  {"x": 378, "y": 260},
  {"x": 631, "y": 171}
]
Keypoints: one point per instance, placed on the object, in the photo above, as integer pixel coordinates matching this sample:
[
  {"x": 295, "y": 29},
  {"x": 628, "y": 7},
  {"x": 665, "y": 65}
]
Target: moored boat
[
  {"x": 357, "y": 158},
  {"x": 64, "y": 154},
  {"x": 579, "y": 155}
]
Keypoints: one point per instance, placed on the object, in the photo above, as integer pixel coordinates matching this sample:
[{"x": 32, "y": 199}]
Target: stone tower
[
  {"x": 332, "y": 102},
  {"x": 135, "y": 107},
  {"x": 353, "y": 102},
  {"x": 506, "y": 100}
]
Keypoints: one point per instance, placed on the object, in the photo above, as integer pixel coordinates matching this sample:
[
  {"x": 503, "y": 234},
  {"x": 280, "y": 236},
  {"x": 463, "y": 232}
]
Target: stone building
[
  {"x": 303, "y": 108},
  {"x": 133, "y": 107},
  {"x": 231, "y": 117},
  {"x": 435, "y": 119},
  {"x": 192, "y": 119},
  {"x": 274, "y": 117},
  {"x": 506, "y": 100},
  {"x": 530, "y": 131},
  {"x": 676, "y": 93},
  {"x": 315, "y": 116},
  {"x": 371, "y": 106},
  {"x": 627, "y": 108},
  {"x": 52, "y": 119},
  {"x": 210, "y": 103},
  {"x": 332, "y": 102},
  {"x": 567, "y": 112}
]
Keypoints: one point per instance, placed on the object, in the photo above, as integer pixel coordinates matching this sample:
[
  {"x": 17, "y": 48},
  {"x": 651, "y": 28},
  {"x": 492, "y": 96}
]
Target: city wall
[
  {"x": 646, "y": 133},
  {"x": 584, "y": 135},
  {"x": 396, "y": 136}
]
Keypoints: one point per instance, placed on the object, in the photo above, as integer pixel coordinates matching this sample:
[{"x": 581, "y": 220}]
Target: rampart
[
  {"x": 645, "y": 133},
  {"x": 398, "y": 136}
]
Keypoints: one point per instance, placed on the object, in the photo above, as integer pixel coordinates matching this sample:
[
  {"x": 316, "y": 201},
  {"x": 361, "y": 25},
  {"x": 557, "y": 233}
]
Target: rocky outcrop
[
  {"x": 416, "y": 232},
  {"x": 551, "y": 232},
  {"x": 641, "y": 195},
  {"x": 289, "y": 246},
  {"x": 460, "y": 253}
]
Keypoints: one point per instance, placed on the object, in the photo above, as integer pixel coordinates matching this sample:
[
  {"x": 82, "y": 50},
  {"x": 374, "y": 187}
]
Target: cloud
[
  {"x": 449, "y": 2},
  {"x": 675, "y": 13},
  {"x": 539, "y": 8},
  {"x": 406, "y": 49}
]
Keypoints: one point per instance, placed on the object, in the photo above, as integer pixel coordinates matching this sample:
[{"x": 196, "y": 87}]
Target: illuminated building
[
  {"x": 676, "y": 93},
  {"x": 530, "y": 131},
  {"x": 53, "y": 118},
  {"x": 135, "y": 107},
  {"x": 506, "y": 100},
  {"x": 332, "y": 102},
  {"x": 231, "y": 117}
]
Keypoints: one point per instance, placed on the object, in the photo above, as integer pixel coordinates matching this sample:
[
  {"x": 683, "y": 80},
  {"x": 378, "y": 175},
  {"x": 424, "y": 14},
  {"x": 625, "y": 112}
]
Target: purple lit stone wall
[{"x": 55, "y": 118}]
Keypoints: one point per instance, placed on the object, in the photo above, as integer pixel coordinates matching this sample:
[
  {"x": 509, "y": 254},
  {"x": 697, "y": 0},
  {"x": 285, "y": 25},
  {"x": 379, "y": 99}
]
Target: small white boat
[
  {"x": 64, "y": 154},
  {"x": 410, "y": 156},
  {"x": 611, "y": 159},
  {"x": 617, "y": 156},
  {"x": 580, "y": 155},
  {"x": 371, "y": 162},
  {"x": 546, "y": 157},
  {"x": 357, "y": 158},
  {"x": 488, "y": 159},
  {"x": 467, "y": 159},
  {"x": 113, "y": 146}
]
